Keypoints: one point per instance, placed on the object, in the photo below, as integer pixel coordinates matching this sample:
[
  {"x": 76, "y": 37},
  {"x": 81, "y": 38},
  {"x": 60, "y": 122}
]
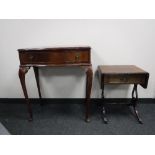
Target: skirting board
[{"x": 74, "y": 100}]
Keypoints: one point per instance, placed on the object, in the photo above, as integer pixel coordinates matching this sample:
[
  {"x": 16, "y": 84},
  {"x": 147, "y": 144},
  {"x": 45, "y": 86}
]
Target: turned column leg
[
  {"x": 103, "y": 107},
  {"x": 36, "y": 72},
  {"x": 89, "y": 77},
  {"x": 22, "y": 72},
  {"x": 134, "y": 103}
]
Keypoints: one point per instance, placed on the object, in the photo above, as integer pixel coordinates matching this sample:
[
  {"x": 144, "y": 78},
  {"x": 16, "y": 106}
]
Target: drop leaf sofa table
[
  {"x": 55, "y": 57},
  {"x": 122, "y": 74}
]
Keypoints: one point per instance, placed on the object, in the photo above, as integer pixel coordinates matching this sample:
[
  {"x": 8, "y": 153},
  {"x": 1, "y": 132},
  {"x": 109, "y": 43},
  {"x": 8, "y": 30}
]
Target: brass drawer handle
[
  {"x": 77, "y": 57},
  {"x": 124, "y": 79},
  {"x": 74, "y": 58},
  {"x": 31, "y": 57}
]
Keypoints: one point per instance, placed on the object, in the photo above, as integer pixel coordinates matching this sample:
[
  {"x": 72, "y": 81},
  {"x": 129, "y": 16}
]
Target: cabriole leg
[{"x": 22, "y": 72}]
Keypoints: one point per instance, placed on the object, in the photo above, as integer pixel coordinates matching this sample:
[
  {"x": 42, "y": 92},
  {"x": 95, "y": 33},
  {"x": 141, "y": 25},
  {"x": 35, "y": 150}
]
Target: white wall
[{"x": 112, "y": 42}]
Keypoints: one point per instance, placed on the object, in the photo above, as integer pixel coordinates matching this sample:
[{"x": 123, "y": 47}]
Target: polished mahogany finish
[
  {"x": 123, "y": 74},
  {"x": 55, "y": 57}
]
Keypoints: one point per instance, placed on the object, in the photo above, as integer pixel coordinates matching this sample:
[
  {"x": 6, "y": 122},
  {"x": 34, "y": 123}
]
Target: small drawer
[
  {"x": 42, "y": 58},
  {"x": 54, "y": 57},
  {"x": 77, "y": 57},
  {"x": 124, "y": 79}
]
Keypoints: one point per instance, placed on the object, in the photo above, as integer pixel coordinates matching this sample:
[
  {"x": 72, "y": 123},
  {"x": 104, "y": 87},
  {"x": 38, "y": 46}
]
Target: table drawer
[
  {"x": 77, "y": 57},
  {"x": 54, "y": 57},
  {"x": 124, "y": 79},
  {"x": 41, "y": 57}
]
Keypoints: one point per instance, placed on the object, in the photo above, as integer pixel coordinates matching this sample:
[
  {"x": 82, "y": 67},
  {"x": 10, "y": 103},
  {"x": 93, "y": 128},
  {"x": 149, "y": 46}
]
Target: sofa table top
[{"x": 120, "y": 69}]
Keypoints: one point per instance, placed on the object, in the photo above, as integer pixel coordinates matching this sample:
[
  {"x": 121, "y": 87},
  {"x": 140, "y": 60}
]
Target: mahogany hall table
[
  {"x": 55, "y": 57},
  {"x": 123, "y": 74}
]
